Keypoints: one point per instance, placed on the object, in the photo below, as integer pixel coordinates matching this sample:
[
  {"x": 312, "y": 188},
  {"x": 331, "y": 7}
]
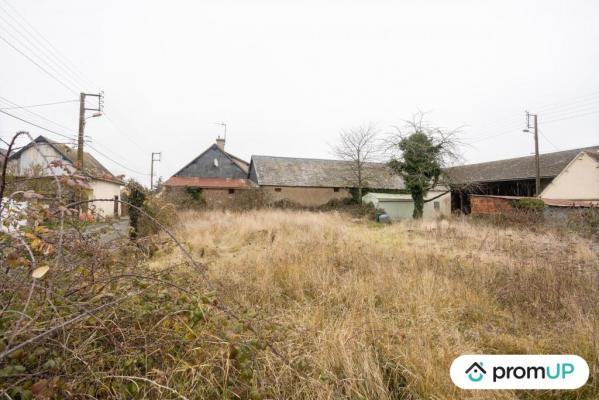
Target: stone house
[
  {"x": 27, "y": 162},
  {"x": 218, "y": 174}
]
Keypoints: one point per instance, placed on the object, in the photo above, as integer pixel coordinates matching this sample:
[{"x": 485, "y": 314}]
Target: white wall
[
  {"x": 32, "y": 158},
  {"x": 105, "y": 190},
  {"x": 100, "y": 189},
  {"x": 578, "y": 181}
]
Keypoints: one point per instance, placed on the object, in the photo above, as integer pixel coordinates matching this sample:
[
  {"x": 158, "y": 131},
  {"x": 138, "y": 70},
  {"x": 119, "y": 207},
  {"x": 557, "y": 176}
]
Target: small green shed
[{"x": 401, "y": 206}]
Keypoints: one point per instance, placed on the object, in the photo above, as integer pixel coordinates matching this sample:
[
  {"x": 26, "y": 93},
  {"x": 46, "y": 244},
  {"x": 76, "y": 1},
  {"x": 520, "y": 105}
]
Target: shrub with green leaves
[{"x": 529, "y": 204}]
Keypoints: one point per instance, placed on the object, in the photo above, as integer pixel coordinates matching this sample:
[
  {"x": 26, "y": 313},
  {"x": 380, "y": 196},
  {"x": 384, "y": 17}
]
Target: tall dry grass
[{"x": 365, "y": 311}]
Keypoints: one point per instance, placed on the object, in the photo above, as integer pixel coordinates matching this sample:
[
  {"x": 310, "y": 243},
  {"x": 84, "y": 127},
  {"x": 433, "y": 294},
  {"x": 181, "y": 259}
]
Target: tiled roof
[
  {"x": 310, "y": 172},
  {"x": 551, "y": 164},
  {"x": 208, "y": 183}
]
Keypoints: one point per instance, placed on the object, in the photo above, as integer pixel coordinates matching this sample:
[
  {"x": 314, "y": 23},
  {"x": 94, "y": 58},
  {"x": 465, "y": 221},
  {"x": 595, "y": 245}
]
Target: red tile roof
[{"x": 208, "y": 183}]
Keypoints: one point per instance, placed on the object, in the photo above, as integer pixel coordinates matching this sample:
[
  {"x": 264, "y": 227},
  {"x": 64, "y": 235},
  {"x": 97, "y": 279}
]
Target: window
[
  {"x": 335, "y": 189},
  {"x": 277, "y": 189},
  {"x": 231, "y": 191},
  {"x": 437, "y": 205}
]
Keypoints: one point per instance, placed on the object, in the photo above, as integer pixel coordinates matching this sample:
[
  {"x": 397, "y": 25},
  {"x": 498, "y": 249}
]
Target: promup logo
[
  {"x": 519, "y": 372},
  {"x": 476, "y": 372}
]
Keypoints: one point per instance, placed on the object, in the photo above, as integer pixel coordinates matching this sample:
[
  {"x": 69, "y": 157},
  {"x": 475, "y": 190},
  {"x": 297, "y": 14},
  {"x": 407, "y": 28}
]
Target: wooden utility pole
[
  {"x": 535, "y": 126},
  {"x": 81, "y": 129},
  {"x": 537, "y": 161},
  {"x": 152, "y": 168},
  {"x": 82, "y": 110}
]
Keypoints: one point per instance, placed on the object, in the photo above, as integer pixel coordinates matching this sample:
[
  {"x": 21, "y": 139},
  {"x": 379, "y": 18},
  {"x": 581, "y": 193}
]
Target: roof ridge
[
  {"x": 314, "y": 159},
  {"x": 589, "y": 148}
]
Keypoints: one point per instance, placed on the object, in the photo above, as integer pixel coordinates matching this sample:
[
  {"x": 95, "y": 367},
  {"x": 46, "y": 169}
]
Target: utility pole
[
  {"x": 152, "y": 168},
  {"x": 82, "y": 110},
  {"x": 535, "y": 126},
  {"x": 81, "y": 129}
]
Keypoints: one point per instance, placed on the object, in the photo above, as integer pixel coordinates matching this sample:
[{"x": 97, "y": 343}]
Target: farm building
[
  {"x": 314, "y": 182},
  {"x": 219, "y": 175},
  {"x": 401, "y": 206},
  {"x": 516, "y": 176},
  {"x": 31, "y": 160},
  {"x": 579, "y": 180}
]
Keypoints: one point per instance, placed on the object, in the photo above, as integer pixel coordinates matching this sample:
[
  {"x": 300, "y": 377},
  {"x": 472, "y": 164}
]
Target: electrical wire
[
  {"x": 36, "y": 125},
  {"x": 549, "y": 140},
  {"x": 40, "y": 105},
  {"x": 37, "y": 115},
  {"x": 53, "y": 51},
  {"x": 38, "y": 65},
  {"x": 570, "y": 117},
  {"x": 35, "y": 50},
  {"x": 116, "y": 162}
]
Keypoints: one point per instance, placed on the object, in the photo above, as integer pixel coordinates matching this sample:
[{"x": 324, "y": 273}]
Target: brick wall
[{"x": 490, "y": 205}]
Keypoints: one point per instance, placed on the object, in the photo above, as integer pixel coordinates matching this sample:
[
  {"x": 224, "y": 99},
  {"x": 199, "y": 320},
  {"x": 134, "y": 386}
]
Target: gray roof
[
  {"x": 551, "y": 164},
  {"x": 91, "y": 167},
  {"x": 311, "y": 172}
]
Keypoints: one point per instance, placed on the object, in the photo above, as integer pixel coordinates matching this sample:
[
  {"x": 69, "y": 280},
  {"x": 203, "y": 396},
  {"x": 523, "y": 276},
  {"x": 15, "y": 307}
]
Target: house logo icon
[{"x": 476, "y": 372}]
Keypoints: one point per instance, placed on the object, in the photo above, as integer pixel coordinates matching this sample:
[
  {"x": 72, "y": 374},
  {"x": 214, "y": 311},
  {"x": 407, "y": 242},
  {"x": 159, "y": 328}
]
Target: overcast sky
[{"x": 287, "y": 76}]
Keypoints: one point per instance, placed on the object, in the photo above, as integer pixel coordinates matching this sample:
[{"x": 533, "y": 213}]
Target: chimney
[{"x": 220, "y": 142}]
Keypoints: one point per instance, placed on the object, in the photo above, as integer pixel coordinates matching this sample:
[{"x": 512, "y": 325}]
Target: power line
[
  {"x": 116, "y": 162},
  {"x": 574, "y": 100},
  {"x": 34, "y": 113},
  {"x": 548, "y": 140},
  {"x": 34, "y": 49},
  {"x": 40, "y": 105},
  {"x": 571, "y": 116},
  {"x": 573, "y": 109},
  {"x": 53, "y": 50},
  {"x": 38, "y": 65},
  {"x": 121, "y": 131},
  {"x": 36, "y": 125}
]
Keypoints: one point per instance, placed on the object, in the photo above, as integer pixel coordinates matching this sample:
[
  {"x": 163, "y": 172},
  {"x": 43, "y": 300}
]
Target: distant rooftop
[
  {"x": 313, "y": 172},
  {"x": 520, "y": 168}
]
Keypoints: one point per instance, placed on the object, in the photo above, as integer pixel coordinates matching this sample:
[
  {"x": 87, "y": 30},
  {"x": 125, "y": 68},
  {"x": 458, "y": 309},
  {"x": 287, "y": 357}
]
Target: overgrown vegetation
[
  {"x": 421, "y": 152},
  {"x": 529, "y": 204},
  {"x": 281, "y": 304}
]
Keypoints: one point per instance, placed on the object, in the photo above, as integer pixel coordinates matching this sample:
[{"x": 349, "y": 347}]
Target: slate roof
[
  {"x": 244, "y": 165},
  {"x": 311, "y": 172},
  {"x": 208, "y": 183},
  {"x": 91, "y": 167},
  {"x": 551, "y": 164}
]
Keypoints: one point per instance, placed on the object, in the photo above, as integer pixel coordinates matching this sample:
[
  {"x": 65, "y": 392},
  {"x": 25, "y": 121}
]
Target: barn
[
  {"x": 315, "y": 182},
  {"x": 515, "y": 177}
]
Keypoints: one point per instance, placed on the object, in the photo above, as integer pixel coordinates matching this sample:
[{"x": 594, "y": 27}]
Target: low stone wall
[{"x": 306, "y": 196}]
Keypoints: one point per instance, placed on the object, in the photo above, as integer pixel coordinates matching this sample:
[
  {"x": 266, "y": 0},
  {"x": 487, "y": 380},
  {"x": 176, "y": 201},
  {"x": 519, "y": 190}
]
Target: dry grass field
[{"x": 358, "y": 310}]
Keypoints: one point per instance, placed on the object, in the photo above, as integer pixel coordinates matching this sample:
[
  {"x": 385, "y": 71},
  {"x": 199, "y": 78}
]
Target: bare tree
[{"x": 358, "y": 146}]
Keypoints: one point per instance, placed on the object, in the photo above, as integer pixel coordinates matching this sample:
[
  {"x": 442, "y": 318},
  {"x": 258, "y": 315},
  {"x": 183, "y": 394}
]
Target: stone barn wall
[{"x": 306, "y": 196}]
